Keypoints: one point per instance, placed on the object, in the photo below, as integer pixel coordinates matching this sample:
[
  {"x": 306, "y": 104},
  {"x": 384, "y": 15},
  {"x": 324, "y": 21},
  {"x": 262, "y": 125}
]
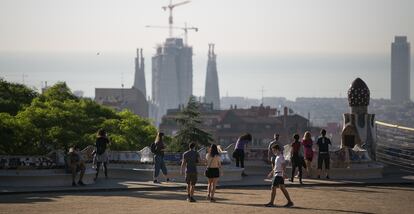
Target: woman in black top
[{"x": 101, "y": 156}]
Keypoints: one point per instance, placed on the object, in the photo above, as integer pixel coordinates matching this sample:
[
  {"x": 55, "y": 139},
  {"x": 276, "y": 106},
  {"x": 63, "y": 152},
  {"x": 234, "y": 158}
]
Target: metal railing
[{"x": 395, "y": 145}]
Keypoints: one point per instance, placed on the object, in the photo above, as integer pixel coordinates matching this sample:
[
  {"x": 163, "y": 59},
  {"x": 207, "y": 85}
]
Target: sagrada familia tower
[
  {"x": 139, "y": 81},
  {"x": 212, "y": 93}
]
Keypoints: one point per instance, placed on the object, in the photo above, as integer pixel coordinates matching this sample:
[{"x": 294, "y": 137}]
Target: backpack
[{"x": 153, "y": 148}]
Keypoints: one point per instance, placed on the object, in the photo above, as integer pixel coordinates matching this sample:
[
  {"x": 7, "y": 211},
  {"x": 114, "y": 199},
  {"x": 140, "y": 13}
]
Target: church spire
[
  {"x": 139, "y": 81},
  {"x": 212, "y": 93}
]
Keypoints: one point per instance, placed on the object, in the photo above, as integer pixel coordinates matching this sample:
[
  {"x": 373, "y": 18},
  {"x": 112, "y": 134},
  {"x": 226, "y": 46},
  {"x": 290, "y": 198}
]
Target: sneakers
[
  {"x": 327, "y": 177},
  {"x": 156, "y": 182},
  {"x": 243, "y": 174},
  {"x": 81, "y": 183},
  {"x": 212, "y": 200},
  {"x": 192, "y": 199},
  {"x": 289, "y": 204},
  {"x": 269, "y": 205}
]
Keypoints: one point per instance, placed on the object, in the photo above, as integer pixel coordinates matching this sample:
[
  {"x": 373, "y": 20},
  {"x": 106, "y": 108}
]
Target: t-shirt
[
  {"x": 296, "y": 148},
  {"x": 323, "y": 143},
  {"x": 241, "y": 144},
  {"x": 191, "y": 158},
  {"x": 278, "y": 161},
  {"x": 101, "y": 143}
]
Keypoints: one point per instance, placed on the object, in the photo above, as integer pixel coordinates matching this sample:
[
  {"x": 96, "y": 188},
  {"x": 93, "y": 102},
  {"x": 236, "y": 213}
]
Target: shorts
[
  {"x": 323, "y": 158},
  {"x": 212, "y": 173},
  {"x": 277, "y": 180},
  {"x": 191, "y": 178}
]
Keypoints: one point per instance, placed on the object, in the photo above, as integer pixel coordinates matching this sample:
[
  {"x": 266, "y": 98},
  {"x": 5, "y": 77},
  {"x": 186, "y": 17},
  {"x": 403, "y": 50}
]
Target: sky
[
  {"x": 237, "y": 27},
  {"x": 296, "y": 26}
]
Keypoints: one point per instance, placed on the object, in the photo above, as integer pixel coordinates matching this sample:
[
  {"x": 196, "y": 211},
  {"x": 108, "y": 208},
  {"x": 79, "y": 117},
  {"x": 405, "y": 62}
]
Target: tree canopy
[
  {"x": 57, "y": 119},
  {"x": 191, "y": 129}
]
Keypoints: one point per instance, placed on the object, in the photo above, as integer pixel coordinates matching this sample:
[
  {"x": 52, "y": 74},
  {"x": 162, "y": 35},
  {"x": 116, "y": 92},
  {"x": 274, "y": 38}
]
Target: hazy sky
[{"x": 264, "y": 26}]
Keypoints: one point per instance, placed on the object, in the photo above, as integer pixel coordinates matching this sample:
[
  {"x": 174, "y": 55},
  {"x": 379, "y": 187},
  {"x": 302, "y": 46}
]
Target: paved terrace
[{"x": 391, "y": 177}]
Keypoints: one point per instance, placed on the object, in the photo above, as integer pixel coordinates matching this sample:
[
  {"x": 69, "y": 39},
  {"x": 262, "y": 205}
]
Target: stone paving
[{"x": 307, "y": 199}]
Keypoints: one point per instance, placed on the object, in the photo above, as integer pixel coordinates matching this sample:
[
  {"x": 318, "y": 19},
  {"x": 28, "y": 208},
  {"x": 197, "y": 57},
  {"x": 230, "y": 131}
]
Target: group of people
[
  {"x": 190, "y": 160},
  {"x": 301, "y": 154},
  {"x": 76, "y": 163}
]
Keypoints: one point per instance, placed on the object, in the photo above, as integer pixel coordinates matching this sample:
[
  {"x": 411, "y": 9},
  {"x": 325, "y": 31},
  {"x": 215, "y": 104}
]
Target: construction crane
[
  {"x": 185, "y": 29},
  {"x": 171, "y": 6}
]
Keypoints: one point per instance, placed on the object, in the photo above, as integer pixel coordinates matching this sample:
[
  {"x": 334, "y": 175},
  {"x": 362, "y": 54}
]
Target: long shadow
[
  {"x": 296, "y": 207},
  {"x": 331, "y": 210},
  {"x": 178, "y": 195}
]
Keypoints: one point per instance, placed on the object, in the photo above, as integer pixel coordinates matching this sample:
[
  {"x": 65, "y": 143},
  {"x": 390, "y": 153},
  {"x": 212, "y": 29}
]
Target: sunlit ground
[{"x": 242, "y": 200}]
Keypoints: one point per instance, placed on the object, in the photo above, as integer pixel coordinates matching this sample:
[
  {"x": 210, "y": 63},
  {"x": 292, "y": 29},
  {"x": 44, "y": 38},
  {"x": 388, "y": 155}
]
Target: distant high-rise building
[
  {"x": 212, "y": 92},
  {"x": 139, "y": 81},
  {"x": 400, "y": 69},
  {"x": 172, "y": 76}
]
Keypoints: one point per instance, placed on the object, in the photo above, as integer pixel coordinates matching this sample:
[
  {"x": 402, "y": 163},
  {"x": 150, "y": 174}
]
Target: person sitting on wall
[{"x": 76, "y": 164}]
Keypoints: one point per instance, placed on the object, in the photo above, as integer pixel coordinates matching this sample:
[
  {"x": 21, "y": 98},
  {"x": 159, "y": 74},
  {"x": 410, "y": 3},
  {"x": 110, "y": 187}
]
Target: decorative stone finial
[{"x": 358, "y": 93}]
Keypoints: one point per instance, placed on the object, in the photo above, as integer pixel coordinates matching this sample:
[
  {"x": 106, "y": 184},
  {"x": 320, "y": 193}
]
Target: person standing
[
  {"x": 76, "y": 164},
  {"x": 323, "y": 153},
  {"x": 239, "y": 150},
  {"x": 213, "y": 171},
  {"x": 279, "y": 174},
  {"x": 296, "y": 156},
  {"x": 189, "y": 162},
  {"x": 158, "y": 149},
  {"x": 101, "y": 154},
  {"x": 274, "y": 141},
  {"x": 307, "y": 145}
]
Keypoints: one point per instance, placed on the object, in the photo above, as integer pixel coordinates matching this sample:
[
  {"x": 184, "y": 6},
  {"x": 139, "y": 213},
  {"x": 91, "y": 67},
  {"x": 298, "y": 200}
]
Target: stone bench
[
  {"x": 144, "y": 172},
  {"x": 41, "y": 177}
]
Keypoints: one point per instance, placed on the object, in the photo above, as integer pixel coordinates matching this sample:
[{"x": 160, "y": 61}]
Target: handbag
[{"x": 208, "y": 166}]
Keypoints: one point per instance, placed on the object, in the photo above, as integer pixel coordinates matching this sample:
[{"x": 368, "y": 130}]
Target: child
[{"x": 278, "y": 173}]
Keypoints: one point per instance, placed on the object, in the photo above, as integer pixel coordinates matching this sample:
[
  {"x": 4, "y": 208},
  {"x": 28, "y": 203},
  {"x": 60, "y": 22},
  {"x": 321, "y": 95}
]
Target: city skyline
[{"x": 296, "y": 42}]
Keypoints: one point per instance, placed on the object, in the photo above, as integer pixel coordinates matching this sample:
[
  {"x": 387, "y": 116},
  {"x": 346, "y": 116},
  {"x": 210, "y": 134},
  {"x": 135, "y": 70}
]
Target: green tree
[
  {"x": 191, "y": 129},
  {"x": 58, "y": 119},
  {"x": 130, "y": 131},
  {"x": 14, "y": 97}
]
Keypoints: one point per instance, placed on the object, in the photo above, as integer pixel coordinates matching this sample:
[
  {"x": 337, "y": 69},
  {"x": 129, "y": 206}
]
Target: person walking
[
  {"x": 239, "y": 150},
  {"x": 189, "y": 163},
  {"x": 101, "y": 154},
  {"x": 213, "y": 171},
  {"x": 296, "y": 157},
  {"x": 158, "y": 148},
  {"x": 307, "y": 144},
  {"x": 279, "y": 174},
  {"x": 76, "y": 164},
  {"x": 323, "y": 153}
]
